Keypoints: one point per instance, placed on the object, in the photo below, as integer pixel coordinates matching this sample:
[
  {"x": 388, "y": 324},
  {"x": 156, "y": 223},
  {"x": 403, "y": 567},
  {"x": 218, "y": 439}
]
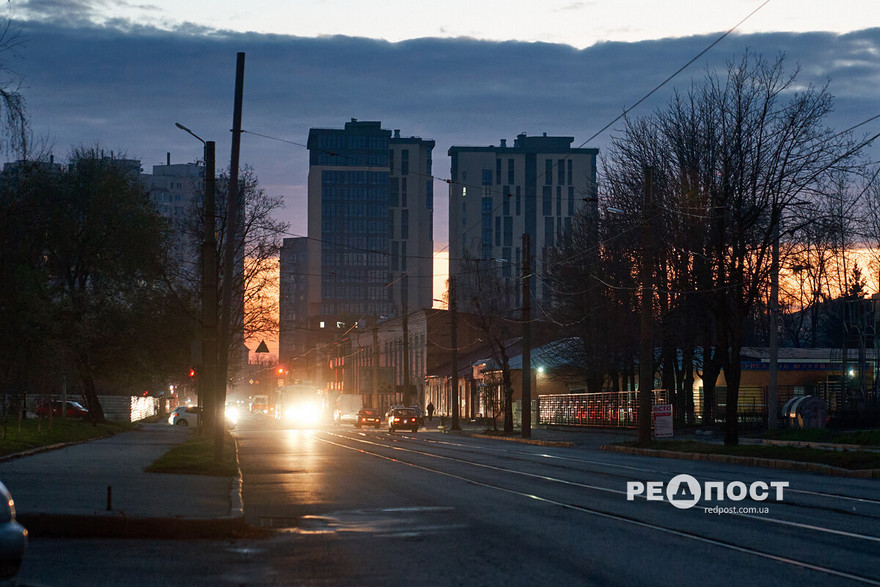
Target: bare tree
[
  {"x": 746, "y": 150},
  {"x": 255, "y": 308},
  {"x": 491, "y": 306}
]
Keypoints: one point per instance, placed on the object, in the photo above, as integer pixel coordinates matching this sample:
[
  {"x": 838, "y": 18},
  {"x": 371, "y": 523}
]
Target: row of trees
[
  {"x": 742, "y": 162},
  {"x": 93, "y": 292}
]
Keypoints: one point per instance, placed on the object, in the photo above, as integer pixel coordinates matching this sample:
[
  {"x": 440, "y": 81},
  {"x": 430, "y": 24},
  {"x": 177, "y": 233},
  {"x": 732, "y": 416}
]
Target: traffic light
[{"x": 192, "y": 373}]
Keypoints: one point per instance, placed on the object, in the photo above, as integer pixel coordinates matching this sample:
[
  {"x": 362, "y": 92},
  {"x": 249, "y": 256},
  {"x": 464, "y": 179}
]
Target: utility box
[{"x": 806, "y": 411}]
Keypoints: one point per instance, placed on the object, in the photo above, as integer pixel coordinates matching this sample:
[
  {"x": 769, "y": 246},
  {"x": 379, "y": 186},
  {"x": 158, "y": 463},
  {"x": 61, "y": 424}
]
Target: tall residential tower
[
  {"x": 498, "y": 193},
  {"x": 369, "y": 248}
]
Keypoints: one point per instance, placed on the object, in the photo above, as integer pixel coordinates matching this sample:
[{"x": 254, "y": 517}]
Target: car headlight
[{"x": 304, "y": 414}]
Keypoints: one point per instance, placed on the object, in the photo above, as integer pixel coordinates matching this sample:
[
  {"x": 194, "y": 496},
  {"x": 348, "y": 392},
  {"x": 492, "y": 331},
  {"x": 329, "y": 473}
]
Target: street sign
[{"x": 662, "y": 416}]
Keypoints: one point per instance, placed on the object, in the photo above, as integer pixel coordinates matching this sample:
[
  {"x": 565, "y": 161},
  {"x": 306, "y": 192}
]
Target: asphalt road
[{"x": 351, "y": 507}]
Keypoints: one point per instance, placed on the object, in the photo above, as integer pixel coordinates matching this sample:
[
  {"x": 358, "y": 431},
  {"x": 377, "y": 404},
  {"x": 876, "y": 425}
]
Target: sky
[{"x": 120, "y": 73}]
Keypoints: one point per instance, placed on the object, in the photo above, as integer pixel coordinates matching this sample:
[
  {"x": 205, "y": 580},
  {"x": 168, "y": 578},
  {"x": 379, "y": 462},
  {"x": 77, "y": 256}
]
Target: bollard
[{"x": 109, "y": 498}]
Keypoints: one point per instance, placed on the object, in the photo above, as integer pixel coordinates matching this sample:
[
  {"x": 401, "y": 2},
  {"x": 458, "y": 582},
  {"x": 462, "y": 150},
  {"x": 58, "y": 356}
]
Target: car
[
  {"x": 419, "y": 413},
  {"x": 368, "y": 417},
  {"x": 403, "y": 418},
  {"x": 13, "y": 538},
  {"x": 73, "y": 409},
  {"x": 185, "y": 416},
  {"x": 347, "y": 407}
]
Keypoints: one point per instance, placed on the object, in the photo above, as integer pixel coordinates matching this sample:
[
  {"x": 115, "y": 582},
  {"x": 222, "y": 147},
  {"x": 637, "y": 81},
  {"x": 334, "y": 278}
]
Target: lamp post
[{"x": 209, "y": 287}]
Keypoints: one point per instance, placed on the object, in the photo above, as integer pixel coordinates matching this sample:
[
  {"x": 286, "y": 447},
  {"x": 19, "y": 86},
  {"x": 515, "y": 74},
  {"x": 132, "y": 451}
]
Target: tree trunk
[
  {"x": 507, "y": 398},
  {"x": 96, "y": 412}
]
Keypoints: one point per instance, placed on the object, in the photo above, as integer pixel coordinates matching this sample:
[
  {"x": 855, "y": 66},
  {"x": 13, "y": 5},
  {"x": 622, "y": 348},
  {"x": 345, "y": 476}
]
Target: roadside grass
[
  {"x": 862, "y": 437},
  {"x": 32, "y": 433},
  {"x": 845, "y": 459},
  {"x": 196, "y": 457}
]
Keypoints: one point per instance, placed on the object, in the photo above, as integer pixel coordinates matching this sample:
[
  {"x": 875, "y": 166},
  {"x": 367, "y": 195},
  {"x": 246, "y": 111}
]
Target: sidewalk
[{"x": 100, "y": 487}]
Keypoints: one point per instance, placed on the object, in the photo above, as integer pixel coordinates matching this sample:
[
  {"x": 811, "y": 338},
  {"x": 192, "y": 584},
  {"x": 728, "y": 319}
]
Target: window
[
  {"x": 391, "y": 161},
  {"x": 569, "y": 172},
  {"x": 394, "y": 192},
  {"x": 404, "y": 224},
  {"x": 560, "y": 172},
  {"x": 498, "y": 231},
  {"x": 404, "y": 162},
  {"x": 570, "y": 201},
  {"x": 498, "y": 171},
  {"x": 487, "y": 177},
  {"x": 505, "y": 201},
  {"x": 548, "y": 171},
  {"x": 518, "y": 200},
  {"x": 547, "y": 201},
  {"x": 510, "y": 175}
]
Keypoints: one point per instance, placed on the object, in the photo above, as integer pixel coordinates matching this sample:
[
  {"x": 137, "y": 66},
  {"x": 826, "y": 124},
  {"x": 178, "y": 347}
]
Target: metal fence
[{"x": 618, "y": 409}]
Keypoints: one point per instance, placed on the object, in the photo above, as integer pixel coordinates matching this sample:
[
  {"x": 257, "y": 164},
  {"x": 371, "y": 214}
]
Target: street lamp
[{"x": 209, "y": 286}]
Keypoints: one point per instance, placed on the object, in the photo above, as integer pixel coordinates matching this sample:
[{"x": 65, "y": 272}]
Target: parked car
[
  {"x": 403, "y": 418},
  {"x": 185, "y": 416},
  {"x": 13, "y": 538},
  {"x": 368, "y": 417},
  {"x": 73, "y": 409}
]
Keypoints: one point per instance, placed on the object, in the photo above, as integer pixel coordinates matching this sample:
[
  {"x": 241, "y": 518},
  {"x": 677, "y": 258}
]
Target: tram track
[{"x": 377, "y": 446}]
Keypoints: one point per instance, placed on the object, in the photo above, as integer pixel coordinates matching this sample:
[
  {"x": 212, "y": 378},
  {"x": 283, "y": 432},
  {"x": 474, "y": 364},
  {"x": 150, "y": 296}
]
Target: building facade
[
  {"x": 368, "y": 255},
  {"x": 497, "y": 194},
  {"x": 177, "y": 190}
]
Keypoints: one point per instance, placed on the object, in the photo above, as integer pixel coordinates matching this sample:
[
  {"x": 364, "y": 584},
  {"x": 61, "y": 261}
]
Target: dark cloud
[{"x": 126, "y": 89}]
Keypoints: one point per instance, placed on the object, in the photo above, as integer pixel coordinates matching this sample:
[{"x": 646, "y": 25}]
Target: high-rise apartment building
[
  {"x": 499, "y": 193},
  {"x": 370, "y": 234},
  {"x": 176, "y": 191}
]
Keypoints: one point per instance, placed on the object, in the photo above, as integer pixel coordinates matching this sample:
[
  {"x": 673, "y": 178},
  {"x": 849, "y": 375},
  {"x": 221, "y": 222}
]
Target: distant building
[
  {"x": 498, "y": 193},
  {"x": 370, "y": 237},
  {"x": 177, "y": 190}
]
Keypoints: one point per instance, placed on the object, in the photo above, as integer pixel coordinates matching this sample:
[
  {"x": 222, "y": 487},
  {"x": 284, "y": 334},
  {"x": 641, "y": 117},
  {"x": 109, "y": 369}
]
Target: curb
[
  {"x": 533, "y": 441},
  {"x": 748, "y": 461},
  {"x": 236, "y": 504},
  {"x": 811, "y": 444},
  {"x": 46, "y": 448},
  {"x": 117, "y": 525}
]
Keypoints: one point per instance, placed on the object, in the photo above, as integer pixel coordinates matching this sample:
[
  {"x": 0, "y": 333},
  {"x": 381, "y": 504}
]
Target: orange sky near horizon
[{"x": 441, "y": 274}]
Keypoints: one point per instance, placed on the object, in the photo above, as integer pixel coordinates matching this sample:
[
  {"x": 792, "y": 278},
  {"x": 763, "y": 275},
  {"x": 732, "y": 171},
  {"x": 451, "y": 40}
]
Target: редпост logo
[{"x": 684, "y": 491}]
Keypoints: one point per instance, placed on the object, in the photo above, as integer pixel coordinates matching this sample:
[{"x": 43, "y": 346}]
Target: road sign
[{"x": 662, "y": 415}]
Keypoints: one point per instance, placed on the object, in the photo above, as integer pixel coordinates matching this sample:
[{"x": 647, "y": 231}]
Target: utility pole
[
  {"x": 526, "y": 337},
  {"x": 646, "y": 355},
  {"x": 208, "y": 378},
  {"x": 375, "y": 361},
  {"x": 232, "y": 212},
  {"x": 453, "y": 336},
  {"x": 209, "y": 290},
  {"x": 407, "y": 398},
  {"x": 772, "y": 387}
]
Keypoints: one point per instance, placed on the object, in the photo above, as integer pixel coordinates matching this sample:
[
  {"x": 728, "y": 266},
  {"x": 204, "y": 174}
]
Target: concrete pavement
[{"x": 100, "y": 488}]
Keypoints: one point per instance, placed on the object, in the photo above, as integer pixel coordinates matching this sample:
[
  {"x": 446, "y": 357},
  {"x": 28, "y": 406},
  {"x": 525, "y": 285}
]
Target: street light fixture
[{"x": 209, "y": 286}]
